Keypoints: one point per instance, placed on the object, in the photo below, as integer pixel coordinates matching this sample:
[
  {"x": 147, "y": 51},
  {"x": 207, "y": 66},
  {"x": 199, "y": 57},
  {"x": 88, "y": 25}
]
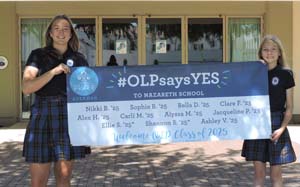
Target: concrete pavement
[{"x": 203, "y": 164}]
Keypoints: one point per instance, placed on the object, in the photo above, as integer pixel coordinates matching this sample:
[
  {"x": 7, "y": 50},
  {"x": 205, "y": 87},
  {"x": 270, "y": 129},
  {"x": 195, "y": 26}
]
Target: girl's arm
[{"x": 32, "y": 83}]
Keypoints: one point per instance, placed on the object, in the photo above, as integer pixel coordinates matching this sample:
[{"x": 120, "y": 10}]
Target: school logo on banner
[{"x": 84, "y": 81}]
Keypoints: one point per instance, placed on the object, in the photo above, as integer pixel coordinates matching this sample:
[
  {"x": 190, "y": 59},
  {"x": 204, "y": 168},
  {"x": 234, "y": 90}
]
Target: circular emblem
[
  {"x": 3, "y": 62},
  {"x": 70, "y": 62},
  {"x": 275, "y": 81},
  {"x": 84, "y": 81}
]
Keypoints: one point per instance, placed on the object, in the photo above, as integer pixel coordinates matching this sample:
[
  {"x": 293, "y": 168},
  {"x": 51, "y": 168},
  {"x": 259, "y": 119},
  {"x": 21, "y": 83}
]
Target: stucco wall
[
  {"x": 278, "y": 21},
  {"x": 9, "y": 76},
  {"x": 296, "y": 58},
  {"x": 174, "y": 8}
]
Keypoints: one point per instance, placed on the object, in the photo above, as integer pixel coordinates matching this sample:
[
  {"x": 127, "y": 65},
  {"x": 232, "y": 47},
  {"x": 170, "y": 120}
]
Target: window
[
  {"x": 163, "y": 41},
  {"x": 32, "y": 37},
  {"x": 120, "y": 41},
  {"x": 205, "y": 40},
  {"x": 243, "y": 39},
  {"x": 86, "y": 31}
]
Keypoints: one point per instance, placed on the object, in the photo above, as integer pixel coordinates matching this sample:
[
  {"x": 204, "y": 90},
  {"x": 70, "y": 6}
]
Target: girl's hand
[
  {"x": 262, "y": 61},
  {"x": 276, "y": 134},
  {"x": 61, "y": 68}
]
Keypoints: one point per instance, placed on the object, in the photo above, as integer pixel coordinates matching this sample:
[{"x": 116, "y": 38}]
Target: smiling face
[
  {"x": 270, "y": 52},
  {"x": 60, "y": 32}
]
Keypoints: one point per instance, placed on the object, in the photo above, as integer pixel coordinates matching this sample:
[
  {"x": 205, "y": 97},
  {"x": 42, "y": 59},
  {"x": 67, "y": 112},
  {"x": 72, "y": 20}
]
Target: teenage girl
[
  {"x": 278, "y": 149},
  {"x": 47, "y": 140}
]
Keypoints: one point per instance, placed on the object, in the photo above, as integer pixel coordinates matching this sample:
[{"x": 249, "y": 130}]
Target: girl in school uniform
[
  {"x": 278, "y": 149},
  {"x": 47, "y": 140}
]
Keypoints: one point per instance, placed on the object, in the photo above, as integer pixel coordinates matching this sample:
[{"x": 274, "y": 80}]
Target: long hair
[
  {"x": 282, "y": 58},
  {"x": 73, "y": 42}
]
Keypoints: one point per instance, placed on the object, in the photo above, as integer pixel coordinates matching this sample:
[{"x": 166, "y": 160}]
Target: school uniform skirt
[
  {"x": 265, "y": 150},
  {"x": 47, "y": 137}
]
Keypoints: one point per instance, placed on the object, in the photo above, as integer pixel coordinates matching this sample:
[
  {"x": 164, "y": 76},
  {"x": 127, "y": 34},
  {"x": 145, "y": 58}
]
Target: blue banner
[
  {"x": 158, "y": 104},
  {"x": 160, "y": 82}
]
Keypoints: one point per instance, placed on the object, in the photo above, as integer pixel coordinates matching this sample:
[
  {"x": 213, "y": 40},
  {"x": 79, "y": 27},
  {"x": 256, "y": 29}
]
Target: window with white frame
[{"x": 243, "y": 39}]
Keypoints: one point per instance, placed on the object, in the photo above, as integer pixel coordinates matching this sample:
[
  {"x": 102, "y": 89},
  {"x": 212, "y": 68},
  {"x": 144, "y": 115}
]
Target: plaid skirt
[
  {"x": 47, "y": 137},
  {"x": 265, "y": 150}
]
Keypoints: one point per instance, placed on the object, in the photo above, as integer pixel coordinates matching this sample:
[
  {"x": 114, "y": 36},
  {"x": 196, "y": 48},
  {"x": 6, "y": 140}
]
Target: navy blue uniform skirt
[
  {"x": 265, "y": 150},
  {"x": 47, "y": 137}
]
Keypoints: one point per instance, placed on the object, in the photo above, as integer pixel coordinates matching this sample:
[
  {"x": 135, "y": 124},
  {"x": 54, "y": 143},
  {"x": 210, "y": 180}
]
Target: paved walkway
[{"x": 201, "y": 164}]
